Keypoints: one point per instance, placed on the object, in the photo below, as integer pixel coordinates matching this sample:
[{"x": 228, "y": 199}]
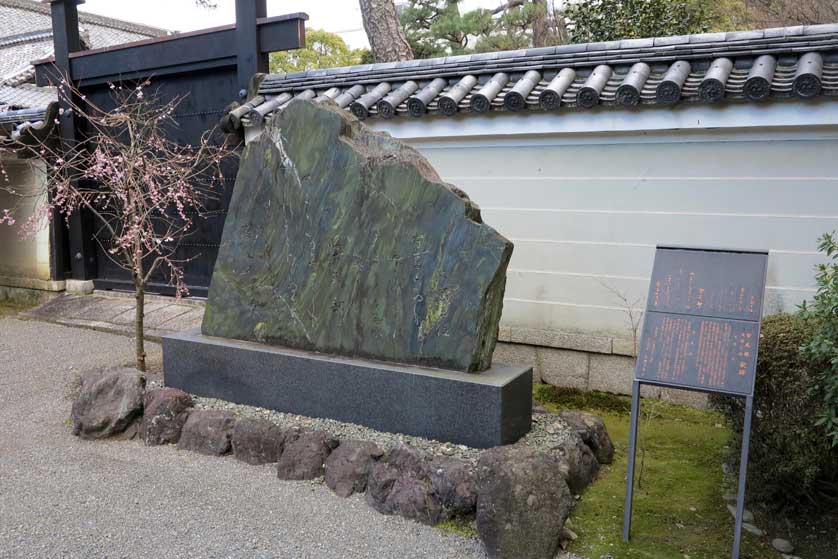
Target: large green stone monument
[
  {"x": 353, "y": 284},
  {"x": 345, "y": 241}
]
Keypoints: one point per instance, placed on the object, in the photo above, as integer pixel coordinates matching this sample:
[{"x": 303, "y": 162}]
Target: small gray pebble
[
  {"x": 551, "y": 431},
  {"x": 747, "y": 516},
  {"x": 752, "y": 529},
  {"x": 781, "y": 545}
]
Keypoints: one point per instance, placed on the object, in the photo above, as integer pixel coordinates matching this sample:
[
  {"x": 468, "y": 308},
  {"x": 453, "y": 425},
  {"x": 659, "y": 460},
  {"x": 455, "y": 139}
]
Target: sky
[{"x": 338, "y": 16}]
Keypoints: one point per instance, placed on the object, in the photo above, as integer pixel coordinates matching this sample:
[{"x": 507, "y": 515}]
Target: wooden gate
[{"x": 209, "y": 69}]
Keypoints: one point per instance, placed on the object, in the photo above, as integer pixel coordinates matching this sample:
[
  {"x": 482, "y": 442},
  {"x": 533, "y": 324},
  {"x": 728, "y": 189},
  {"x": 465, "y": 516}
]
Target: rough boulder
[
  {"x": 522, "y": 503},
  {"x": 345, "y": 241},
  {"x": 108, "y": 403}
]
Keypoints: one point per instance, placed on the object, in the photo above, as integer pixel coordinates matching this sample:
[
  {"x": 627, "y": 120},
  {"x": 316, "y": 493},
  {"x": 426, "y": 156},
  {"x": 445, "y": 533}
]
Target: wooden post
[
  {"x": 249, "y": 56},
  {"x": 79, "y": 237}
]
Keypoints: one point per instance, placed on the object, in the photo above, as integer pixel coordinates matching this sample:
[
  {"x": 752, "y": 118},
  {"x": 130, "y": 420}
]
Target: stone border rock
[
  {"x": 109, "y": 402},
  {"x": 519, "y": 495}
]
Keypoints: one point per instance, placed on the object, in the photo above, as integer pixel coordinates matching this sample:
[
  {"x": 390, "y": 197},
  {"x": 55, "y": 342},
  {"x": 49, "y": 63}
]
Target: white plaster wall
[
  {"x": 24, "y": 262},
  {"x": 585, "y": 197}
]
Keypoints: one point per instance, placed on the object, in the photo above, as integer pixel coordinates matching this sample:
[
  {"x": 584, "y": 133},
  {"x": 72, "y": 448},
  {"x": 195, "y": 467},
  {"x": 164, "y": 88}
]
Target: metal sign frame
[{"x": 749, "y": 401}]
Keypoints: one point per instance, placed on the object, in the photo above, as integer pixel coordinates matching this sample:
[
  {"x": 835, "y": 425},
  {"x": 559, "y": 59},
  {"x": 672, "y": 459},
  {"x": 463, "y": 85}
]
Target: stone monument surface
[
  {"x": 345, "y": 241},
  {"x": 352, "y": 283}
]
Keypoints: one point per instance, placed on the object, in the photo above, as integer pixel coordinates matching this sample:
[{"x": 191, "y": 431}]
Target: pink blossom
[
  {"x": 7, "y": 218},
  {"x": 146, "y": 190}
]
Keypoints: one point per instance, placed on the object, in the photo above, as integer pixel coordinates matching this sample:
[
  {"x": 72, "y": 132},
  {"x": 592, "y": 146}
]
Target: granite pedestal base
[{"x": 479, "y": 410}]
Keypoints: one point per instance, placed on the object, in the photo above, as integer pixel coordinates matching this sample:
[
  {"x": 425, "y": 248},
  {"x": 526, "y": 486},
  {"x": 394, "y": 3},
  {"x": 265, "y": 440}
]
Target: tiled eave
[
  {"x": 24, "y": 128},
  {"x": 796, "y": 62}
]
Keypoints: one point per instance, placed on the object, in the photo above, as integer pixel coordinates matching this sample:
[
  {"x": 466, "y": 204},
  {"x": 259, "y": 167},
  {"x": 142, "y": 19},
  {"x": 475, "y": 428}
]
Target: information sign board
[{"x": 701, "y": 332}]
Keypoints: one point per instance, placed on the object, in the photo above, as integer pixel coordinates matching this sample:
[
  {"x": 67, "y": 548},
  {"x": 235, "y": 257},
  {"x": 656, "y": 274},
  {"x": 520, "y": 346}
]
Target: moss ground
[
  {"x": 463, "y": 527},
  {"x": 678, "y": 508}
]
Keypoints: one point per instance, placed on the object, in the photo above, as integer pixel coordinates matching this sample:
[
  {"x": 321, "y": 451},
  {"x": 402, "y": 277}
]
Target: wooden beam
[
  {"x": 65, "y": 28},
  {"x": 250, "y": 59},
  {"x": 79, "y": 233},
  {"x": 231, "y": 55},
  {"x": 292, "y": 36},
  {"x": 176, "y": 54}
]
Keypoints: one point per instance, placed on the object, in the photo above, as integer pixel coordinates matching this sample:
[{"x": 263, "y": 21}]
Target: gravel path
[
  {"x": 548, "y": 429},
  {"x": 62, "y": 497}
]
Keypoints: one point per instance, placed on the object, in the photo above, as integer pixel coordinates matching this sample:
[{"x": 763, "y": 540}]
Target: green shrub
[
  {"x": 821, "y": 350},
  {"x": 791, "y": 459}
]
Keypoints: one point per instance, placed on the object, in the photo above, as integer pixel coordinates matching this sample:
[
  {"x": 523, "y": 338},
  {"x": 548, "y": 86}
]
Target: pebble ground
[
  {"x": 62, "y": 497},
  {"x": 548, "y": 430}
]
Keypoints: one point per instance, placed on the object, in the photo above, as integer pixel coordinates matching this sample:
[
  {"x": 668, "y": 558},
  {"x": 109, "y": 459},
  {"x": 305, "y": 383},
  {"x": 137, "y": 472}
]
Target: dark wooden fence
[{"x": 211, "y": 68}]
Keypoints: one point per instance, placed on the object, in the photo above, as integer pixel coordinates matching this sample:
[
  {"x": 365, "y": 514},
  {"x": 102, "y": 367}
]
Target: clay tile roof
[
  {"x": 27, "y": 127},
  {"x": 27, "y": 15},
  {"x": 793, "y": 62},
  {"x": 26, "y": 35}
]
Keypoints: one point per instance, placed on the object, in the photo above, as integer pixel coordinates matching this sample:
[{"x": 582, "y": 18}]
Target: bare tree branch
[
  {"x": 508, "y": 5},
  {"x": 143, "y": 190},
  {"x": 768, "y": 13}
]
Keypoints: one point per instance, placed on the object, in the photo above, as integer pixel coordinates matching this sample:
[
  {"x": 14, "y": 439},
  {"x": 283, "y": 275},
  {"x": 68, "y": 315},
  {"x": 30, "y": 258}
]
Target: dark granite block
[{"x": 482, "y": 411}]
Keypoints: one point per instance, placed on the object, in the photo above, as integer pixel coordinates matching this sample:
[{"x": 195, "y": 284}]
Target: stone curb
[
  {"x": 196, "y": 302},
  {"x": 164, "y": 311},
  {"x": 403, "y": 481},
  {"x": 105, "y": 327}
]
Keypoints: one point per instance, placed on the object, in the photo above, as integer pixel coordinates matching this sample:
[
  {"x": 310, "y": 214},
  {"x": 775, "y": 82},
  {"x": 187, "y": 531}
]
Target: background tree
[
  {"x": 322, "y": 50},
  {"x": 523, "y": 24},
  {"x": 439, "y": 27},
  {"x": 385, "y": 34},
  {"x": 608, "y": 20},
  {"x": 143, "y": 190},
  {"x": 779, "y": 13}
]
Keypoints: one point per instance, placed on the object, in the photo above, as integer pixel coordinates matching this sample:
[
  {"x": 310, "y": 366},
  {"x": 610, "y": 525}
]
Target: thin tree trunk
[
  {"x": 540, "y": 28},
  {"x": 139, "y": 325},
  {"x": 384, "y": 31}
]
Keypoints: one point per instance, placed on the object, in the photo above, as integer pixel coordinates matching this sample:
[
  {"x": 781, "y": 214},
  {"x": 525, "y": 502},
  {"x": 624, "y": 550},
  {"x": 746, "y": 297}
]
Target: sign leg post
[
  {"x": 701, "y": 332},
  {"x": 635, "y": 412},
  {"x": 743, "y": 472}
]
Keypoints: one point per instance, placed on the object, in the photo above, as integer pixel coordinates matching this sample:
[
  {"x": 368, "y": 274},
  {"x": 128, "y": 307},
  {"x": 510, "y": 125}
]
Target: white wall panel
[
  {"x": 598, "y": 259},
  {"x": 795, "y": 233},
  {"x": 761, "y": 195},
  {"x": 585, "y": 211},
  {"x": 664, "y": 158},
  {"x": 23, "y": 258},
  {"x": 606, "y": 319}
]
